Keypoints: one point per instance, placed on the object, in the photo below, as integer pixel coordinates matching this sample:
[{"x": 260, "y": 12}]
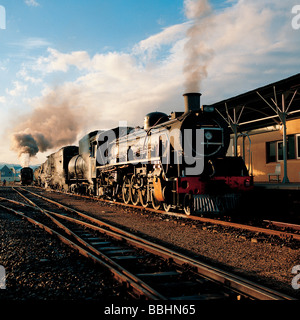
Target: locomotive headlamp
[{"x": 208, "y": 135}]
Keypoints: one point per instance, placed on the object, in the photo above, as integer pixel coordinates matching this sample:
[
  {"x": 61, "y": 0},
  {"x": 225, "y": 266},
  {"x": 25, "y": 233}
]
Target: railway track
[
  {"x": 272, "y": 228},
  {"x": 147, "y": 270}
]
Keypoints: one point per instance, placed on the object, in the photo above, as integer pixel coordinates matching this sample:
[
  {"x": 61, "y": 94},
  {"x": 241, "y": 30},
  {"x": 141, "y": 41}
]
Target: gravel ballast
[
  {"x": 266, "y": 261},
  {"x": 40, "y": 267}
]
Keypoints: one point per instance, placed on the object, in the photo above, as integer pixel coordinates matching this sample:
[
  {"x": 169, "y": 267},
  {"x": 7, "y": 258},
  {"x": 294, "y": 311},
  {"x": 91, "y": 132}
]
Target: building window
[
  {"x": 291, "y": 147},
  {"x": 279, "y": 151},
  {"x": 274, "y": 149},
  {"x": 298, "y": 146},
  {"x": 271, "y": 151}
]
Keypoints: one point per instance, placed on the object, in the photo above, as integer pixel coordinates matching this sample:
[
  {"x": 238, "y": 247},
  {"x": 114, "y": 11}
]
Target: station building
[{"x": 265, "y": 125}]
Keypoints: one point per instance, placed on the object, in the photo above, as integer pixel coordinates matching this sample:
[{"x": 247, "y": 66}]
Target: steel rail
[
  {"x": 269, "y": 232},
  {"x": 138, "y": 288},
  {"x": 285, "y": 225},
  {"x": 110, "y": 262},
  {"x": 229, "y": 280}
]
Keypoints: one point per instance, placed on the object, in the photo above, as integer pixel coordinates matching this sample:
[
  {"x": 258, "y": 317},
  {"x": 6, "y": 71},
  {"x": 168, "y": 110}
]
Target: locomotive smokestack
[{"x": 192, "y": 101}]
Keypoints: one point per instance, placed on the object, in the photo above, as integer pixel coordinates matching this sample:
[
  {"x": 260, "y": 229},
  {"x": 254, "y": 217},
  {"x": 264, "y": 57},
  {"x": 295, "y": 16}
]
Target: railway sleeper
[
  {"x": 210, "y": 296},
  {"x": 161, "y": 277},
  {"x": 100, "y": 243},
  {"x": 190, "y": 290},
  {"x": 127, "y": 259},
  {"x": 158, "y": 276},
  {"x": 106, "y": 248},
  {"x": 91, "y": 238},
  {"x": 119, "y": 251}
]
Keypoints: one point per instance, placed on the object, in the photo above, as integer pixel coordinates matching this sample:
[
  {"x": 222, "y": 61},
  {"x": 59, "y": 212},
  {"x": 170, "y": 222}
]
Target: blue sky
[
  {"x": 92, "y": 25},
  {"x": 111, "y": 60},
  {"x": 71, "y": 25}
]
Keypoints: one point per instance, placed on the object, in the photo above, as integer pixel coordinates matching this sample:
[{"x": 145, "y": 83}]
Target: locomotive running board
[{"x": 204, "y": 203}]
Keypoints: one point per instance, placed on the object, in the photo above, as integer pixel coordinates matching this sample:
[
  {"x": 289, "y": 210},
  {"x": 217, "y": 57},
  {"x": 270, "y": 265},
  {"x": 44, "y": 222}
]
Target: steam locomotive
[
  {"x": 53, "y": 172},
  {"x": 26, "y": 176},
  {"x": 177, "y": 161}
]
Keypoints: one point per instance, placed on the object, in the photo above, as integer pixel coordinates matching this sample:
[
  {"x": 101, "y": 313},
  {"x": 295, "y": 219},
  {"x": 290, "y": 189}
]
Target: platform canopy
[
  {"x": 265, "y": 106},
  {"x": 257, "y": 108}
]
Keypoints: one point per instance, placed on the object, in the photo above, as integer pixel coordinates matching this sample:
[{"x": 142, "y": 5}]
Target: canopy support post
[{"x": 282, "y": 116}]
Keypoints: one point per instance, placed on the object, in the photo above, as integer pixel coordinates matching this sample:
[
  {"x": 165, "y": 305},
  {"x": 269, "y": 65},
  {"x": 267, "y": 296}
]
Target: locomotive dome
[{"x": 153, "y": 118}]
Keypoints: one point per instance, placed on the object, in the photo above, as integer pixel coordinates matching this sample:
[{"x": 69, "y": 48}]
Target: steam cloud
[
  {"x": 53, "y": 123},
  {"x": 197, "y": 53}
]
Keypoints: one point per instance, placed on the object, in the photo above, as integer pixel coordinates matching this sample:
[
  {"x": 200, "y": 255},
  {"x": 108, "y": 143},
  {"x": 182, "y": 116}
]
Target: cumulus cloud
[
  {"x": 32, "y": 3},
  {"x": 254, "y": 45},
  {"x": 19, "y": 88},
  {"x": 167, "y": 37},
  {"x": 57, "y": 61},
  {"x": 237, "y": 48},
  {"x": 246, "y": 45}
]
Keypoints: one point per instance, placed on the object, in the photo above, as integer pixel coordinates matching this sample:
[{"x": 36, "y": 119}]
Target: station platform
[
  {"x": 277, "y": 186},
  {"x": 274, "y": 201}
]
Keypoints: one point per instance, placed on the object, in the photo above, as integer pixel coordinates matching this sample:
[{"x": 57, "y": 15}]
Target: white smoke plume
[
  {"x": 24, "y": 159},
  {"x": 198, "y": 55}
]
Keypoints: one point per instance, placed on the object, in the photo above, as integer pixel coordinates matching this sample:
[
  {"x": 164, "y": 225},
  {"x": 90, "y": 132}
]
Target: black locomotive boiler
[{"x": 177, "y": 161}]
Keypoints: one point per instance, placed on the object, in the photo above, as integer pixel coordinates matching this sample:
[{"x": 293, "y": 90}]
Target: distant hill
[{"x": 16, "y": 166}]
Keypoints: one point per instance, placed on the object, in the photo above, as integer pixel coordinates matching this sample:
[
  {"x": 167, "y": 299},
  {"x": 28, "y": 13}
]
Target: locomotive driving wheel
[
  {"x": 126, "y": 190},
  {"x": 188, "y": 206},
  {"x": 166, "y": 206},
  {"x": 155, "y": 203},
  {"x": 143, "y": 192},
  {"x": 134, "y": 190}
]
